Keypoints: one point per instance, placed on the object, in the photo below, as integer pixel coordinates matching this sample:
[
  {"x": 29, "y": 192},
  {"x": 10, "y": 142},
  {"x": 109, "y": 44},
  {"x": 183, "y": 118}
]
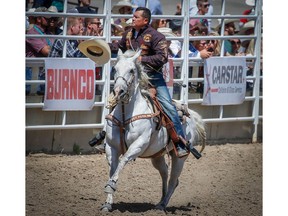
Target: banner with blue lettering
[
  {"x": 70, "y": 84},
  {"x": 224, "y": 81}
]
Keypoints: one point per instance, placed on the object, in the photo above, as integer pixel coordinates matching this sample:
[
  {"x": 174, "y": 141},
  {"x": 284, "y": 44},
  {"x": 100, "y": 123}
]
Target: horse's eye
[{"x": 131, "y": 71}]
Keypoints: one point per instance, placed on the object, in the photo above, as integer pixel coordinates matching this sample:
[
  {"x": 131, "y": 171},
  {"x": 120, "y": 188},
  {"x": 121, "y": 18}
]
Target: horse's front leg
[
  {"x": 112, "y": 157},
  {"x": 136, "y": 148}
]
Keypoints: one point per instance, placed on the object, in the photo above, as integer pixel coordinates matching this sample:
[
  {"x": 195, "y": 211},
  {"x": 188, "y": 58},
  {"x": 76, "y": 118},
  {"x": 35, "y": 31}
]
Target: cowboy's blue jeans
[{"x": 165, "y": 100}]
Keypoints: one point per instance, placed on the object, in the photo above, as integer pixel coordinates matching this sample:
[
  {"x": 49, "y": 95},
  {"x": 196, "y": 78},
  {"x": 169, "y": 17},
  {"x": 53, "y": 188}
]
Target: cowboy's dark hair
[
  {"x": 200, "y": 2},
  {"x": 146, "y": 12}
]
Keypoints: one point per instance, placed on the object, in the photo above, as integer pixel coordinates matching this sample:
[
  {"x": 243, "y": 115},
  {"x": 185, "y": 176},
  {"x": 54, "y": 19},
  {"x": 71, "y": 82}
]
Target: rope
[{"x": 112, "y": 102}]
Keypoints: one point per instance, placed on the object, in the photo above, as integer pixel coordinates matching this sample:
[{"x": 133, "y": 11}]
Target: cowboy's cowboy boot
[
  {"x": 181, "y": 150},
  {"x": 186, "y": 146}
]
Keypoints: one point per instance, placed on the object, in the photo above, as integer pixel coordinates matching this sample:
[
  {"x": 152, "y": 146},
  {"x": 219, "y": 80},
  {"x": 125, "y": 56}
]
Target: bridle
[{"x": 126, "y": 97}]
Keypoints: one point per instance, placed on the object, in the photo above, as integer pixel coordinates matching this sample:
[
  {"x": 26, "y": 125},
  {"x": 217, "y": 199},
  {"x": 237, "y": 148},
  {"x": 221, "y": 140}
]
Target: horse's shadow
[{"x": 144, "y": 207}]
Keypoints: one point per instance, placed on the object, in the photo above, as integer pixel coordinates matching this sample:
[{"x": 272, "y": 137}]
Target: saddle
[{"x": 163, "y": 119}]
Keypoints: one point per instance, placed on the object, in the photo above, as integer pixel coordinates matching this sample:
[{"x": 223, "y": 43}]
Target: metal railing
[{"x": 184, "y": 62}]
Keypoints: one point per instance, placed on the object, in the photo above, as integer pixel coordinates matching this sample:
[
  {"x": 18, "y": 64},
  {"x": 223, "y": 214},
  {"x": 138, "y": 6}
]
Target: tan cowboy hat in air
[
  {"x": 120, "y": 4},
  {"x": 97, "y": 50},
  {"x": 166, "y": 31}
]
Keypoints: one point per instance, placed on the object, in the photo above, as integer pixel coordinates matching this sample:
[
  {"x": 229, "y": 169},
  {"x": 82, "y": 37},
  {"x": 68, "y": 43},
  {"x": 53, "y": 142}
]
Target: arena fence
[{"x": 186, "y": 73}]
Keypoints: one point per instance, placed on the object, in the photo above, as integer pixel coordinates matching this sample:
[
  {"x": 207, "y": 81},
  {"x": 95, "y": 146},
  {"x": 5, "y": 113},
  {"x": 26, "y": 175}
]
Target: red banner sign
[{"x": 70, "y": 84}]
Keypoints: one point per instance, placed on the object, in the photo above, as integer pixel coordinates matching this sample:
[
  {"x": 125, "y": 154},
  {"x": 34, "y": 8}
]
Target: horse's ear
[
  {"x": 138, "y": 52},
  {"x": 120, "y": 54}
]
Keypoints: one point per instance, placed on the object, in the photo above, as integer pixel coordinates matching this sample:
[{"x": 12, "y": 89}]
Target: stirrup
[
  {"x": 97, "y": 139},
  {"x": 194, "y": 151}
]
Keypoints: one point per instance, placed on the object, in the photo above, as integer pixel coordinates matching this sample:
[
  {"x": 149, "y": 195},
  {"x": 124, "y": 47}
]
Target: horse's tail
[{"x": 200, "y": 128}]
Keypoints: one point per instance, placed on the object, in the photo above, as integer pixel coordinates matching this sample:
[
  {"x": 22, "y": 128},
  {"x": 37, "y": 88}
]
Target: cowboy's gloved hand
[{"x": 139, "y": 59}]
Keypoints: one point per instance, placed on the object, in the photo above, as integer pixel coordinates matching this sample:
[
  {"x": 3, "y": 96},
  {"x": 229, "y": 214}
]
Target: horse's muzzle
[{"x": 119, "y": 93}]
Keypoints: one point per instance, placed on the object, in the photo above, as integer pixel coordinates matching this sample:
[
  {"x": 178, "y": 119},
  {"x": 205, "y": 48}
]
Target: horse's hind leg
[
  {"x": 177, "y": 166},
  {"x": 160, "y": 164}
]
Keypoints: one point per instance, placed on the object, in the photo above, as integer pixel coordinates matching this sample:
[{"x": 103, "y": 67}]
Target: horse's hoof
[
  {"x": 110, "y": 187},
  {"x": 106, "y": 207},
  {"x": 160, "y": 206}
]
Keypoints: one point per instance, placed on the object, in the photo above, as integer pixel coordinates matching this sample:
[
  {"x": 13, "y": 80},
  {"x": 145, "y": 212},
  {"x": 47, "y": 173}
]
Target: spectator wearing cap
[
  {"x": 123, "y": 7},
  {"x": 229, "y": 29},
  {"x": 248, "y": 44},
  {"x": 38, "y": 47},
  {"x": 84, "y": 7},
  {"x": 231, "y": 26},
  {"x": 53, "y": 27}
]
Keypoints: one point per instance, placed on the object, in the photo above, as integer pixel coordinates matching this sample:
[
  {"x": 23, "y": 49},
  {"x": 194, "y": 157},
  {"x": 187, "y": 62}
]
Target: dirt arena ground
[{"x": 227, "y": 180}]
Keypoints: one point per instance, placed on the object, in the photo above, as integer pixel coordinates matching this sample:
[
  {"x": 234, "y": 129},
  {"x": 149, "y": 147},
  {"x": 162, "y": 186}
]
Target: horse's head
[{"x": 126, "y": 74}]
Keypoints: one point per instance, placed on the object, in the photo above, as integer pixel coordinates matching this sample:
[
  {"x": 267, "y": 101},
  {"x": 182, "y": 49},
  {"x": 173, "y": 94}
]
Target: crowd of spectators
[
  {"x": 212, "y": 47},
  {"x": 92, "y": 26}
]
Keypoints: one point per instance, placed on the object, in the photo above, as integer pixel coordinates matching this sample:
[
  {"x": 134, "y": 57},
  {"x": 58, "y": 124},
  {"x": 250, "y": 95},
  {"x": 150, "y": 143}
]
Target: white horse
[{"x": 131, "y": 130}]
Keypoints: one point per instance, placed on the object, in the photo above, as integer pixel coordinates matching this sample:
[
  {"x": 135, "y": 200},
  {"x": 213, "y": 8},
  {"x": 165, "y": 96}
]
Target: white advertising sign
[
  {"x": 70, "y": 84},
  {"x": 224, "y": 81}
]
